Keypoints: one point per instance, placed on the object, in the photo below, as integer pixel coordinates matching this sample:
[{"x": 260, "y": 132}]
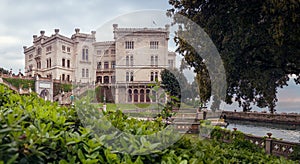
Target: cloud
[
  {"x": 22, "y": 19},
  {"x": 9, "y": 40}
]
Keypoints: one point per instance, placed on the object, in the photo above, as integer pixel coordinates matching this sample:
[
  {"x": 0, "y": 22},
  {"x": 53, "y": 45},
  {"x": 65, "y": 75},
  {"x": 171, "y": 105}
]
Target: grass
[
  {"x": 113, "y": 107},
  {"x": 122, "y": 107}
]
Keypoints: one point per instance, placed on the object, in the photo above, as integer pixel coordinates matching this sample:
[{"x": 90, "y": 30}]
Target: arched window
[
  {"x": 106, "y": 79},
  {"x": 129, "y": 96},
  {"x": 39, "y": 51},
  {"x": 135, "y": 95},
  {"x": 142, "y": 95},
  {"x": 83, "y": 72},
  {"x": 63, "y": 62},
  {"x": 85, "y": 53},
  {"x": 87, "y": 72},
  {"x": 147, "y": 95}
]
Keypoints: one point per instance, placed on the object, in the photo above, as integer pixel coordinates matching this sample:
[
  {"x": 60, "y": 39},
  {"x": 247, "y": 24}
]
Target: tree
[
  {"x": 4, "y": 71},
  {"x": 258, "y": 41},
  {"x": 174, "y": 82}
]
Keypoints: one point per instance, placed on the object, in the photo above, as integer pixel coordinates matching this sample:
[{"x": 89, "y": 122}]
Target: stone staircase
[
  {"x": 17, "y": 90},
  {"x": 186, "y": 121}
]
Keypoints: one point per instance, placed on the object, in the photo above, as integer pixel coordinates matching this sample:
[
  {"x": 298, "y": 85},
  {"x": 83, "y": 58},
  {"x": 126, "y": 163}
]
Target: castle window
[
  {"x": 127, "y": 76},
  {"x": 63, "y": 48},
  {"x": 154, "y": 60},
  {"x": 39, "y": 51},
  {"x": 49, "y": 49},
  {"x": 153, "y": 44},
  {"x": 63, "y": 62},
  {"x": 131, "y": 76},
  {"x": 106, "y": 65},
  {"x": 87, "y": 72},
  {"x": 129, "y": 45},
  {"x": 129, "y": 62},
  {"x": 106, "y": 52},
  {"x": 113, "y": 64},
  {"x": 38, "y": 64},
  {"x": 83, "y": 72},
  {"x": 68, "y": 63},
  {"x": 30, "y": 67},
  {"x": 68, "y": 49},
  {"x": 85, "y": 54},
  {"x": 49, "y": 63},
  {"x": 154, "y": 76},
  {"x": 113, "y": 51},
  {"x": 99, "y": 65},
  {"x": 171, "y": 63}
]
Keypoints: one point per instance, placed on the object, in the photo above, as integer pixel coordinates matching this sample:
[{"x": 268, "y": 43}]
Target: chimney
[
  {"x": 42, "y": 32},
  {"x": 93, "y": 33},
  {"x": 56, "y": 31},
  {"x": 167, "y": 26},
  {"x": 115, "y": 29},
  {"x": 24, "y": 48},
  {"x": 77, "y": 30},
  {"x": 115, "y": 26}
]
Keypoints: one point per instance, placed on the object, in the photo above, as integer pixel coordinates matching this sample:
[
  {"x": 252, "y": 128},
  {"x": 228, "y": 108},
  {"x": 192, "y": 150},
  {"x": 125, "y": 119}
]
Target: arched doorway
[
  {"x": 135, "y": 96},
  {"x": 147, "y": 95},
  {"x": 142, "y": 95},
  {"x": 45, "y": 94},
  {"x": 129, "y": 99},
  {"x": 106, "y": 79}
]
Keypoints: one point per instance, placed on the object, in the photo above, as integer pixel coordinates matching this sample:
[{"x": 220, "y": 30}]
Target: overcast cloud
[{"x": 22, "y": 19}]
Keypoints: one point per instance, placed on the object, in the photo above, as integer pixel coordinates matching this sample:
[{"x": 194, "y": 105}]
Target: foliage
[
  {"x": 99, "y": 94},
  {"x": 175, "y": 83},
  {"x": 59, "y": 87},
  {"x": 4, "y": 71},
  {"x": 36, "y": 131},
  {"x": 24, "y": 83},
  {"x": 170, "y": 83},
  {"x": 165, "y": 107},
  {"x": 296, "y": 154},
  {"x": 258, "y": 42}
]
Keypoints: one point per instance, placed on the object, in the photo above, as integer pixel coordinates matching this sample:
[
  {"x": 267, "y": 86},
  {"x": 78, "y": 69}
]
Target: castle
[{"x": 125, "y": 66}]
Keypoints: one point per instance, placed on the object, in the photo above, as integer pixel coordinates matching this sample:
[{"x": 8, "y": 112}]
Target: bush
[
  {"x": 36, "y": 131},
  {"x": 25, "y": 83}
]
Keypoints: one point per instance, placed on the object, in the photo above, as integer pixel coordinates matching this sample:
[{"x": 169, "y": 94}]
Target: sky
[{"x": 22, "y": 19}]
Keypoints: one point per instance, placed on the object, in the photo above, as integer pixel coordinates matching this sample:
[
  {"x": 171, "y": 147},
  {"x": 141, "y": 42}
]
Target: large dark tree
[{"x": 258, "y": 40}]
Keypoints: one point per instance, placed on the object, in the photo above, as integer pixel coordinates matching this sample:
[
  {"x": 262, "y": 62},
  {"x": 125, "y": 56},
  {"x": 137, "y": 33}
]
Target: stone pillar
[
  {"x": 268, "y": 146},
  {"x": 139, "y": 95}
]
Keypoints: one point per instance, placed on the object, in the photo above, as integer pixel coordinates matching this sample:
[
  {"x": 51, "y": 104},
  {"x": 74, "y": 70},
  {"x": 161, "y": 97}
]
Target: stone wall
[{"x": 293, "y": 119}]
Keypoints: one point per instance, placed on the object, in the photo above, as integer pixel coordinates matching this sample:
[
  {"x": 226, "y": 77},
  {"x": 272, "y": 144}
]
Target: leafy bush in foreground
[{"x": 36, "y": 131}]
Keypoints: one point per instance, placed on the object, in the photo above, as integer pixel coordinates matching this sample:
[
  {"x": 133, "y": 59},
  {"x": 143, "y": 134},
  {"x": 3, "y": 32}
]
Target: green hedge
[
  {"x": 25, "y": 83},
  {"x": 36, "y": 131},
  {"x": 57, "y": 87}
]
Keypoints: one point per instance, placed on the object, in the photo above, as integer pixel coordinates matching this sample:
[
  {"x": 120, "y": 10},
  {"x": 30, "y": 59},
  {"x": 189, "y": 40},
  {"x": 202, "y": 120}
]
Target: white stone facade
[{"x": 125, "y": 65}]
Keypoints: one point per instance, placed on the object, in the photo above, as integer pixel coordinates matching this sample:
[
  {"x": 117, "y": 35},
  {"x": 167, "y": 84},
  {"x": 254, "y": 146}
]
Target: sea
[{"x": 286, "y": 133}]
